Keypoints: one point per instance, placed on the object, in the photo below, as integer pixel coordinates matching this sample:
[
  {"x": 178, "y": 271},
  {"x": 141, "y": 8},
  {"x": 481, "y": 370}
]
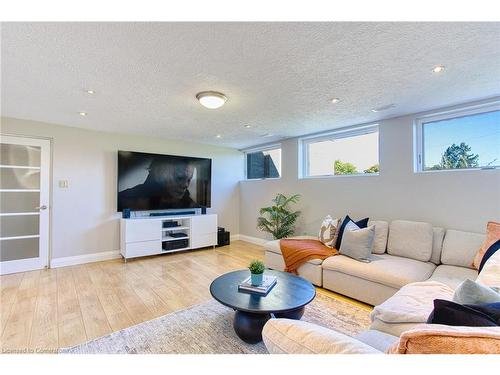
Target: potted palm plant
[
  {"x": 279, "y": 219},
  {"x": 256, "y": 268}
]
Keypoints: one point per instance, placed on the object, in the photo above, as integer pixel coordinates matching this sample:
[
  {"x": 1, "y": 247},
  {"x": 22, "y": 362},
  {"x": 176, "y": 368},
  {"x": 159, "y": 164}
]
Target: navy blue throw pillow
[
  {"x": 363, "y": 223},
  {"x": 453, "y": 314},
  {"x": 491, "y": 250},
  {"x": 490, "y": 309}
]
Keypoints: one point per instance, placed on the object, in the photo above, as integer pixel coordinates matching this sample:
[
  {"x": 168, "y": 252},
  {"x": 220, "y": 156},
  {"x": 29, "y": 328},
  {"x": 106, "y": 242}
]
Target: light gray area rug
[{"x": 208, "y": 329}]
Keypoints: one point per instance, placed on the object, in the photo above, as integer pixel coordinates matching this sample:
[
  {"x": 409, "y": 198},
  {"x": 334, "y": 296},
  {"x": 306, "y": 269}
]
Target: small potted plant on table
[{"x": 256, "y": 268}]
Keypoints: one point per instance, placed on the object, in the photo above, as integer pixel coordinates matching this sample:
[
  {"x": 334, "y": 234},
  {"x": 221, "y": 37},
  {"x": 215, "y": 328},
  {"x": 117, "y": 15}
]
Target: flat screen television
[{"x": 157, "y": 182}]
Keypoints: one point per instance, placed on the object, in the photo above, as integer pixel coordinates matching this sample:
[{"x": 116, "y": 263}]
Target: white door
[{"x": 24, "y": 203}]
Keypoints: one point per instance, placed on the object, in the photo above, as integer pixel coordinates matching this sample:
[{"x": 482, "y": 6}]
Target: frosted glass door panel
[
  {"x": 21, "y": 248},
  {"x": 19, "y": 178},
  {"x": 19, "y": 202},
  {"x": 25, "y": 225},
  {"x": 12, "y": 154}
]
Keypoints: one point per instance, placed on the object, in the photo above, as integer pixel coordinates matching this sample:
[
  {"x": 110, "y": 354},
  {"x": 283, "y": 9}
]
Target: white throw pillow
[
  {"x": 329, "y": 231},
  {"x": 351, "y": 225},
  {"x": 490, "y": 274},
  {"x": 358, "y": 243}
]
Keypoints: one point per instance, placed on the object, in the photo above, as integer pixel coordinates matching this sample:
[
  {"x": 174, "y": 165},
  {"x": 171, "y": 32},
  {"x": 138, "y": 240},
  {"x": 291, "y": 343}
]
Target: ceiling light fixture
[
  {"x": 248, "y": 126},
  {"x": 91, "y": 92},
  {"x": 335, "y": 100},
  {"x": 82, "y": 113},
  {"x": 211, "y": 99},
  {"x": 218, "y": 136},
  {"x": 383, "y": 108},
  {"x": 438, "y": 69}
]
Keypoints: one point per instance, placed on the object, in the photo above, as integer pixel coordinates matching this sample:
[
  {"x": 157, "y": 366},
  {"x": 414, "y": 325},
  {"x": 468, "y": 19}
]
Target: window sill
[
  {"x": 262, "y": 179},
  {"x": 340, "y": 176},
  {"x": 458, "y": 170}
]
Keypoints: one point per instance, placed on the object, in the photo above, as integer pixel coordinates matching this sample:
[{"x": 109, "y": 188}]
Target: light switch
[{"x": 63, "y": 184}]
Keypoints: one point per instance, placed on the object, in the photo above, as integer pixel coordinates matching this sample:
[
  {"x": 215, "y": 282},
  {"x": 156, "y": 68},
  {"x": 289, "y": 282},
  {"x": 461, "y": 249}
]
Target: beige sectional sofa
[
  {"x": 427, "y": 268},
  {"x": 403, "y": 252}
]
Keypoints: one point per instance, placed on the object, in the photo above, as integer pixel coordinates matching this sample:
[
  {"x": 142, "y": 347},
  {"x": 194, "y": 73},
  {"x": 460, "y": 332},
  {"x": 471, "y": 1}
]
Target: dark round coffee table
[{"x": 287, "y": 299}]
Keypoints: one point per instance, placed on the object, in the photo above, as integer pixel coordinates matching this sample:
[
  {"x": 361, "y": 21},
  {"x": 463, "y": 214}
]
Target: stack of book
[{"x": 268, "y": 283}]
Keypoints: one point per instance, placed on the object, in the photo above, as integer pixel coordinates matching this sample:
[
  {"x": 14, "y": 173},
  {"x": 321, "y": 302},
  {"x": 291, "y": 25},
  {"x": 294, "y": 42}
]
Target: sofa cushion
[
  {"x": 393, "y": 329},
  {"x": 413, "y": 303},
  {"x": 274, "y": 247},
  {"x": 363, "y": 290},
  {"x": 437, "y": 244},
  {"x": 287, "y": 336},
  {"x": 309, "y": 271},
  {"x": 453, "y": 276},
  {"x": 410, "y": 239},
  {"x": 441, "y": 339},
  {"x": 376, "y": 339},
  {"x": 381, "y": 234},
  {"x": 383, "y": 268},
  {"x": 460, "y": 248}
]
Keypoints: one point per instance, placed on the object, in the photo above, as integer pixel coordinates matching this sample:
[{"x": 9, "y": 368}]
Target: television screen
[{"x": 155, "y": 182}]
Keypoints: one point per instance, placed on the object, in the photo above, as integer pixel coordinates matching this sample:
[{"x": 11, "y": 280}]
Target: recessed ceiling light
[
  {"x": 383, "y": 108},
  {"x": 82, "y": 113},
  {"x": 438, "y": 69},
  {"x": 248, "y": 126},
  {"x": 218, "y": 136},
  {"x": 266, "y": 135},
  {"x": 335, "y": 100},
  {"x": 91, "y": 92},
  {"x": 211, "y": 99}
]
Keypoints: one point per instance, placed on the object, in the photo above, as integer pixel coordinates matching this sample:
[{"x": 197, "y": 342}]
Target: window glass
[
  {"x": 264, "y": 164},
  {"x": 342, "y": 155},
  {"x": 471, "y": 141}
]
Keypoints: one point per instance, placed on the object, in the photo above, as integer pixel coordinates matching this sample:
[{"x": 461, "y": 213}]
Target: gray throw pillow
[
  {"x": 358, "y": 244},
  {"x": 472, "y": 293}
]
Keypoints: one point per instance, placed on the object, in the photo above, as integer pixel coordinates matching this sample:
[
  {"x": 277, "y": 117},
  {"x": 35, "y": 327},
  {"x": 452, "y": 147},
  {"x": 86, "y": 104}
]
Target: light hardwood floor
[{"x": 41, "y": 311}]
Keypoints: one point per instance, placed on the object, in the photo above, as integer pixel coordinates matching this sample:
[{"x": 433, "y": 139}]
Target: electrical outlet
[{"x": 63, "y": 184}]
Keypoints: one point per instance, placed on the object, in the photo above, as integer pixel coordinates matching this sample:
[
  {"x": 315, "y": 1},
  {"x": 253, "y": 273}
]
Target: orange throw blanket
[{"x": 297, "y": 252}]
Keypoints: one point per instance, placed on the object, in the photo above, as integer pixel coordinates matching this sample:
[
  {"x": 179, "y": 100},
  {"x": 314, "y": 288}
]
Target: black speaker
[
  {"x": 223, "y": 238},
  {"x": 126, "y": 213},
  {"x": 203, "y": 210}
]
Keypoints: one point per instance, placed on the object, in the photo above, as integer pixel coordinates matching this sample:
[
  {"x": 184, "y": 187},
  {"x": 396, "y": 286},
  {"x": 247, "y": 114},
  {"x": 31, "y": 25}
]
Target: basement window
[
  {"x": 350, "y": 151},
  {"x": 467, "y": 139},
  {"x": 263, "y": 162}
]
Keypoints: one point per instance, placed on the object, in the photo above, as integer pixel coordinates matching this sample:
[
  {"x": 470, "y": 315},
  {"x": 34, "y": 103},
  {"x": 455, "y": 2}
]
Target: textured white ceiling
[{"x": 279, "y": 77}]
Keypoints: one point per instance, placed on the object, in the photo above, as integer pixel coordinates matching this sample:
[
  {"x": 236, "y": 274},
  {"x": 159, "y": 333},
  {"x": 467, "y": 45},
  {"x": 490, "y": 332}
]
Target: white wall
[
  {"x": 464, "y": 200},
  {"x": 84, "y": 218}
]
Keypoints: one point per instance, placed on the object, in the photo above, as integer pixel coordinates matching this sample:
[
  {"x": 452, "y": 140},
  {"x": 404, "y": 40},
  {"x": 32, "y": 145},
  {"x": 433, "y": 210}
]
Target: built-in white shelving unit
[{"x": 143, "y": 236}]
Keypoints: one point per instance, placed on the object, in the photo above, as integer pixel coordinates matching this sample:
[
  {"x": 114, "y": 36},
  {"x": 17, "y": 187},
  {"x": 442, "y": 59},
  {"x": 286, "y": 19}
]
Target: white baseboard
[
  {"x": 107, "y": 255},
  {"x": 254, "y": 240},
  {"x": 86, "y": 258}
]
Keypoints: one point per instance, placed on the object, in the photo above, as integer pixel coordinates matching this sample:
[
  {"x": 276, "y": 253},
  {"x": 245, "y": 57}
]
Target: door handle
[{"x": 40, "y": 208}]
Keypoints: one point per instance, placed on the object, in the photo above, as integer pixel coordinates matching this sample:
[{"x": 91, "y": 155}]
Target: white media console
[{"x": 144, "y": 236}]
